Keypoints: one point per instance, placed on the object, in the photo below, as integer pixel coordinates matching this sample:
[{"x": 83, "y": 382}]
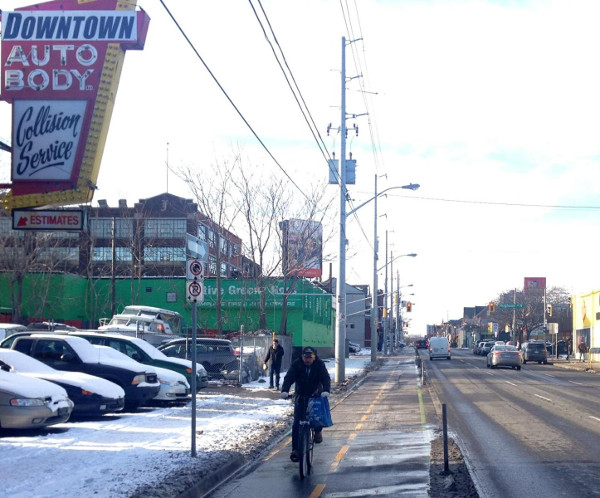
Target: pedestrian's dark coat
[
  {"x": 275, "y": 355},
  {"x": 582, "y": 348},
  {"x": 309, "y": 380}
]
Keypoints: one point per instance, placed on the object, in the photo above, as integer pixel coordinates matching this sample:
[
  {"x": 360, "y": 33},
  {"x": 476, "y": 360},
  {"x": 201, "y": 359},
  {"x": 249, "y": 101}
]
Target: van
[{"x": 439, "y": 347}]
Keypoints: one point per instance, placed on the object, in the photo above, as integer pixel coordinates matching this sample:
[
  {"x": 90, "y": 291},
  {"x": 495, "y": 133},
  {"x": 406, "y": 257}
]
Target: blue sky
[{"x": 495, "y": 103}]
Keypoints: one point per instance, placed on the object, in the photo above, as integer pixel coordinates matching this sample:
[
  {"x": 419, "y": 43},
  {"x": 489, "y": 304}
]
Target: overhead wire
[{"x": 264, "y": 146}]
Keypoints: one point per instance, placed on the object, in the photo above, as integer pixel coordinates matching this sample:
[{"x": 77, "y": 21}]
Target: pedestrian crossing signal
[{"x": 408, "y": 306}]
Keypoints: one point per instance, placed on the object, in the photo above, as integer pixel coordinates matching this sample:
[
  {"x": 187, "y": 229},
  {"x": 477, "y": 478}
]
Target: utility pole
[
  {"x": 392, "y": 328},
  {"x": 340, "y": 316},
  {"x": 374, "y": 291},
  {"x": 385, "y": 300}
]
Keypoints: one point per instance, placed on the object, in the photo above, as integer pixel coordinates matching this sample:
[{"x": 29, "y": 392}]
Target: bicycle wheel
[
  {"x": 303, "y": 437},
  {"x": 309, "y": 449}
]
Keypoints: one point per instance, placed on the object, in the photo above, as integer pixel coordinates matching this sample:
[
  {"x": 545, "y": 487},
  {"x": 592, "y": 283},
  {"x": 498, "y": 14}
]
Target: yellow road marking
[
  {"x": 317, "y": 491},
  {"x": 358, "y": 427},
  {"x": 352, "y": 436},
  {"x": 338, "y": 458}
]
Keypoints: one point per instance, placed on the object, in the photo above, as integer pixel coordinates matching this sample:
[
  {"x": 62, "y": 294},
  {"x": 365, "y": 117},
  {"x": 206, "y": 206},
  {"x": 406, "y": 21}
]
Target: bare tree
[{"x": 210, "y": 188}]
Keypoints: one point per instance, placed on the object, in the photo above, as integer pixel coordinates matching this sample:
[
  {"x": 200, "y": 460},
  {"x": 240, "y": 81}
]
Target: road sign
[
  {"x": 195, "y": 269},
  {"x": 195, "y": 291},
  {"x": 511, "y": 305}
]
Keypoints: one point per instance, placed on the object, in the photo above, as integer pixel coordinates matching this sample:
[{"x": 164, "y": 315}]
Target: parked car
[
  {"x": 534, "y": 351},
  {"x": 502, "y": 355},
  {"x": 439, "y": 347},
  {"x": 212, "y": 353},
  {"x": 50, "y": 326},
  {"x": 173, "y": 385},
  {"x": 75, "y": 354},
  {"x": 7, "y": 329},
  {"x": 477, "y": 347},
  {"x": 91, "y": 395},
  {"x": 144, "y": 352},
  {"x": 28, "y": 403},
  {"x": 421, "y": 344},
  {"x": 354, "y": 347}
]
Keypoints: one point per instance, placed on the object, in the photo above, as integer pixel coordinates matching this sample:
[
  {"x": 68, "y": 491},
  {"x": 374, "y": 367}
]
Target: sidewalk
[{"x": 574, "y": 363}]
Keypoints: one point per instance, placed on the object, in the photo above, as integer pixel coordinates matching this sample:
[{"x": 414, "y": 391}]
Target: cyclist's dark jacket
[{"x": 307, "y": 381}]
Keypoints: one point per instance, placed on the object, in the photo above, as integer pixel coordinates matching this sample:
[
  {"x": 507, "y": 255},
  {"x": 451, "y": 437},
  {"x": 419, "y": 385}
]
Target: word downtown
[{"x": 68, "y": 25}]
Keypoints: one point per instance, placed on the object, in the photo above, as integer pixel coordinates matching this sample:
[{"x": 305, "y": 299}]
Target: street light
[{"x": 340, "y": 330}]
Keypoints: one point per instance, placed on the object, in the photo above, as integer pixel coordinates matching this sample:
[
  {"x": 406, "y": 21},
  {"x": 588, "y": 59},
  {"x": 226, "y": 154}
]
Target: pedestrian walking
[
  {"x": 582, "y": 348},
  {"x": 274, "y": 355}
]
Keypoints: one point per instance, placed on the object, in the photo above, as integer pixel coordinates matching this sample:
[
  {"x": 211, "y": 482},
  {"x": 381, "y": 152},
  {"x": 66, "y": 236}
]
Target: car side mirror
[{"x": 68, "y": 357}]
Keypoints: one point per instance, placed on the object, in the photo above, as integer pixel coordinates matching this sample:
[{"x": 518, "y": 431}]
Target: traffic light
[
  {"x": 409, "y": 306},
  {"x": 492, "y": 307},
  {"x": 549, "y": 309}
]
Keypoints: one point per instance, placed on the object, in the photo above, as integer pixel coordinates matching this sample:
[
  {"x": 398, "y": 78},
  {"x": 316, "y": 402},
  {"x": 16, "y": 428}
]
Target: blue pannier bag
[{"x": 319, "y": 414}]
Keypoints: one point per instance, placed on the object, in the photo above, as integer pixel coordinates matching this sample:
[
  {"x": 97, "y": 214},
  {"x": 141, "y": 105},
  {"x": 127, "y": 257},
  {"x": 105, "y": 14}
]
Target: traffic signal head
[
  {"x": 408, "y": 306},
  {"x": 549, "y": 309},
  {"x": 492, "y": 307}
]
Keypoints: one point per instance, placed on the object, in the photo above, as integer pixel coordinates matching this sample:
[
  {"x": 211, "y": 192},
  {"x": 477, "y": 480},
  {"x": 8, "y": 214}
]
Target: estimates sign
[
  {"x": 66, "y": 219},
  {"x": 60, "y": 67}
]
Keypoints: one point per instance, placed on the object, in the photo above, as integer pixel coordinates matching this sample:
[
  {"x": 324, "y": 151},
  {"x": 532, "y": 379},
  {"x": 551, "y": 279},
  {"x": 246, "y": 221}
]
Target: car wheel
[
  {"x": 545, "y": 363},
  {"x": 449, "y": 357},
  {"x": 539, "y": 362},
  {"x": 518, "y": 368},
  {"x": 487, "y": 365}
]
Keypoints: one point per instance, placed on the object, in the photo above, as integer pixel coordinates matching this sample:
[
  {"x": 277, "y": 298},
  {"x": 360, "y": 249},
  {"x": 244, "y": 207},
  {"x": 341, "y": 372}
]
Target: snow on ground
[{"x": 115, "y": 454}]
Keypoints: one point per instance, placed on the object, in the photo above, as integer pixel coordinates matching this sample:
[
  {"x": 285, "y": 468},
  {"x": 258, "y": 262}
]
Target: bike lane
[{"x": 379, "y": 445}]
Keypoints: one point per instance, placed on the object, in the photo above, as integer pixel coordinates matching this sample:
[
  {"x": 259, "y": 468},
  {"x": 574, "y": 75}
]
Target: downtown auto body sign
[{"x": 61, "y": 63}]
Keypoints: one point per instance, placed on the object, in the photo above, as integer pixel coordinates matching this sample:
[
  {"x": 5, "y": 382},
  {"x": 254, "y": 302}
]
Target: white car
[
  {"x": 27, "y": 403},
  {"x": 92, "y": 395},
  {"x": 173, "y": 385}
]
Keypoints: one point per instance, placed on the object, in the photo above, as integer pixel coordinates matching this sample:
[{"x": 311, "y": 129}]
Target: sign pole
[{"x": 194, "y": 333}]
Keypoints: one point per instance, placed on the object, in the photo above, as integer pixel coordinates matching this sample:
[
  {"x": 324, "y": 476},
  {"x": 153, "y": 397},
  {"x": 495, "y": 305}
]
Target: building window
[
  {"x": 54, "y": 255},
  {"x": 211, "y": 239},
  {"x": 165, "y": 228},
  {"x": 212, "y": 265},
  {"x": 164, "y": 254},
  {"x": 101, "y": 228},
  {"x": 122, "y": 254},
  {"x": 223, "y": 269},
  {"x": 202, "y": 231}
]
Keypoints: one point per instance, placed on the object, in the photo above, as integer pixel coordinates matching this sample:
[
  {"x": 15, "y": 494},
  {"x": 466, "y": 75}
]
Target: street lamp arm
[
  {"x": 412, "y": 186},
  {"x": 412, "y": 255}
]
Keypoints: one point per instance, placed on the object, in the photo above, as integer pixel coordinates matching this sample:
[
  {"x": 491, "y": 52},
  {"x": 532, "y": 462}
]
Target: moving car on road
[
  {"x": 439, "y": 347},
  {"x": 534, "y": 351},
  {"x": 502, "y": 355},
  {"x": 421, "y": 344}
]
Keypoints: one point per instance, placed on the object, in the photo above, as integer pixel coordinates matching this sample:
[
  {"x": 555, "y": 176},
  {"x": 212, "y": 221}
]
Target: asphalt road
[
  {"x": 533, "y": 432},
  {"x": 379, "y": 445}
]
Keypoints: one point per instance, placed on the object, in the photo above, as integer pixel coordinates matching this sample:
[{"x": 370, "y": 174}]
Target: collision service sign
[
  {"x": 60, "y": 66},
  {"x": 67, "y": 219}
]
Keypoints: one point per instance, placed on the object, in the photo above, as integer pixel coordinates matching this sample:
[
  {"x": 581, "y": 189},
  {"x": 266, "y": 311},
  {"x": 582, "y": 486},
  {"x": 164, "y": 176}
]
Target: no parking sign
[{"x": 195, "y": 280}]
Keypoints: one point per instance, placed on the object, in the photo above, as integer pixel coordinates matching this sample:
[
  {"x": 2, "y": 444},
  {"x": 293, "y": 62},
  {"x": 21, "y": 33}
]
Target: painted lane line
[
  {"x": 338, "y": 458},
  {"x": 549, "y": 375},
  {"x": 578, "y": 383},
  {"x": 595, "y": 418},
  {"x": 512, "y": 384},
  {"x": 317, "y": 491},
  {"x": 542, "y": 397}
]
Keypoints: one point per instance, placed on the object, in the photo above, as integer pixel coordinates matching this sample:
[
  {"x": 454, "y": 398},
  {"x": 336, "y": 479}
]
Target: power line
[{"x": 231, "y": 101}]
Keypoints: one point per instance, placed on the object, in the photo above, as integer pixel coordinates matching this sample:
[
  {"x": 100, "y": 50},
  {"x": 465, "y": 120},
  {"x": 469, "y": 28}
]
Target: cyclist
[{"x": 311, "y": 377}]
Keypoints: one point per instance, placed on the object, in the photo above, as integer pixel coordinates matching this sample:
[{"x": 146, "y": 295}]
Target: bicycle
[{"x": 306, "y": 441}]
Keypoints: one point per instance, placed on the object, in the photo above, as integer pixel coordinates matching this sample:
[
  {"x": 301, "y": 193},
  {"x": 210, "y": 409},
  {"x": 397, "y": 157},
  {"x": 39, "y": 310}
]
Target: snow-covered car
[
  {"x": 173, "y": 385},
  {"x": 92, "y": 395},
  {"x": 74, "y": 354},
  {"x": 144, "y": 352},
  {"x": 354, "y": 347},
  {"x": 28, "y": 403}
]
